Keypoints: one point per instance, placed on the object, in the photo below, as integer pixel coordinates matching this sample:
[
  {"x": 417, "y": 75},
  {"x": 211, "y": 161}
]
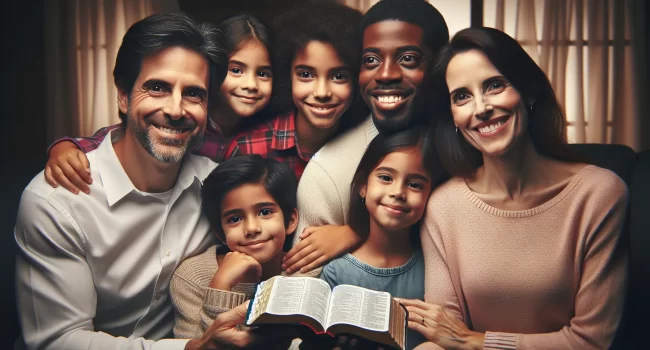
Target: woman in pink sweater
[{"x": 521, "y": 246}]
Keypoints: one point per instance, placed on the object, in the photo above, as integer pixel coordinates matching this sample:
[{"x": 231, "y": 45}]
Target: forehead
[
  {"x": 405, "y": 161},
  {"x": 245, "y": 196},
  {"x": 392, "y": 34},
  {"x": 318, "y": 54},
  {"x": 251, "y": 51},
  {"x": 468, "y": 67},
  {"x": 176, "y": 63}
]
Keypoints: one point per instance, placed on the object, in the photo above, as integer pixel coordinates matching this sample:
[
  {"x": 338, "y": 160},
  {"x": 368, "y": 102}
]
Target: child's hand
[
  {"x": 236, "y": 267},
  {"x": 69, "y": 167},
  {"x": 319, "y": 245}
]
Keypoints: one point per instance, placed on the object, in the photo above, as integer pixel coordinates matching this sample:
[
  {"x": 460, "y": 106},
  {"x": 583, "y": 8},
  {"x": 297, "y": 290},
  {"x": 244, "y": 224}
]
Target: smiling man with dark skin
[{"x": 400, "y": 41}]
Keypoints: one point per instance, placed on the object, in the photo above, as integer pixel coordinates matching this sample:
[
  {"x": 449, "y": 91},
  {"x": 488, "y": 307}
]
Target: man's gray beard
[{"x": 145, "y": 140}]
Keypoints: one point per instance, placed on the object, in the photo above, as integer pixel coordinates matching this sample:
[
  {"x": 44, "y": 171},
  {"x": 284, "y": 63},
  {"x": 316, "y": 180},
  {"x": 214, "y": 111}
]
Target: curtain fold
[
  {"x": 584, "y": 49},
  {"x": 82, "y": 39}
]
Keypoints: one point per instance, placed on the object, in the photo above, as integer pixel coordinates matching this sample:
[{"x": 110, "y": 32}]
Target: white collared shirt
[{"x": 93, "y": 270}]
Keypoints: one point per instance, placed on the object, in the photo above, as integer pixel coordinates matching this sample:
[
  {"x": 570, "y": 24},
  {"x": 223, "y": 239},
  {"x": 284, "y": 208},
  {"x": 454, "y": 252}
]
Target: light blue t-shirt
[{"x": 406, "y": 281}]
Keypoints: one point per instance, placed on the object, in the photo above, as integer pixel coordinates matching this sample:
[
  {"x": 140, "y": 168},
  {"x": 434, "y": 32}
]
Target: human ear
[
  {"x": 293, "y": 222},
  {"x": 123, "y": 101},
  {"x": 362, "y": 192}
]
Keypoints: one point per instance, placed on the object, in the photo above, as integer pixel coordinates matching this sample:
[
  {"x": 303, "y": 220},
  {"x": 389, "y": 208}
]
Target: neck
[
  {"x": 311, "y": 138},
  {"x": 513, "y": 172},
  {"x": 272, "y": 267},
  {"x": 146, "y": 173},
  {"x": 389, "y": 243},
  {"x": 226, "y": 119}
]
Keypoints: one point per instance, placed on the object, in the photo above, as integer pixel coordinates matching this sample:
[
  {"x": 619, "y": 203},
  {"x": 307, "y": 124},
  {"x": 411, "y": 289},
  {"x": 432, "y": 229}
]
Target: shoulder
[
  {"x": 601, "y": 184},
  {"x": 353, "y": 142},
  {"x": 203, "y": 166},
  {"x": 451, "y": 191},
  {"x": 198, "y": 269}
]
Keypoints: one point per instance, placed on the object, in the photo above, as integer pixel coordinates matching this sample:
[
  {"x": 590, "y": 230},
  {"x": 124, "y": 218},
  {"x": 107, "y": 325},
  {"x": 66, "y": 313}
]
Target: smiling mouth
[
  {"x": 173, "y": 131},
  {"x": 395, "y": 209},
  {"x": 491, "y": 126},
  {"x": 321, "y": 109},
  {"x": 247, "y": 99},
  {"x": 255, "y": 244},
  {"x": 390, "y": 100}
]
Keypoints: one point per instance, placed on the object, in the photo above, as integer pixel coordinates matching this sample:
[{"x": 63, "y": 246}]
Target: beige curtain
[
  {"x": 592, "y": 51},
  {"x": 82, "y": 39}
]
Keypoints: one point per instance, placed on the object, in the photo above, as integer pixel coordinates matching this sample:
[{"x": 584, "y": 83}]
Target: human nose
[
  {"x": 397, "y": 191},
  {"x": 249, "y": 82},
  {"x": 481, "y": 107},
  {"x": 322, "y": 90},
  {"x": 389, "y": 72},
  {"x": 174, "y": 105},
  {"x": 252, "y": 227}
]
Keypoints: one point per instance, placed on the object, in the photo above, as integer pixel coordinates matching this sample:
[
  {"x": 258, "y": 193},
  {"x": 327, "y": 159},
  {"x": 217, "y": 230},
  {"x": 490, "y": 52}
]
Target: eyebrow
[
  {"x": 151, "y": 82},
  {"x": 416, "y": 175},
  {"x": 482, "y": 83},
  {"x": 304, "y": 66},
  {"x": 237, "y": 62},
  {"x": 399, "y": 49},
  {"x": 256, "y": 205}
]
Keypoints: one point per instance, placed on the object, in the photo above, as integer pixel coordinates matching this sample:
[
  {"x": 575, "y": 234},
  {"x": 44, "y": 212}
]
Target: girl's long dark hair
[
  {"x": 546, "y": 121},
  {"x": 379, "y": 148},
  {"x": 240, "y": 29}
]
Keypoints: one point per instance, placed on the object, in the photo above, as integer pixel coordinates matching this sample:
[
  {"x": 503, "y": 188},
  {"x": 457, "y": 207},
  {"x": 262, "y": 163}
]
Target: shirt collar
[
  {"x": 284, "y": 134},
  {"x": 117, "y": 183}
]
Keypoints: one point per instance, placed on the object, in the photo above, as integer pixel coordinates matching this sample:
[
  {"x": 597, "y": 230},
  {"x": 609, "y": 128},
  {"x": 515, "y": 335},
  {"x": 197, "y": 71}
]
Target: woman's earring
[
  {"x": 457, "y": 130},
  {"x": 363, "y": 200},
  {"x": 531, "y": 107}
]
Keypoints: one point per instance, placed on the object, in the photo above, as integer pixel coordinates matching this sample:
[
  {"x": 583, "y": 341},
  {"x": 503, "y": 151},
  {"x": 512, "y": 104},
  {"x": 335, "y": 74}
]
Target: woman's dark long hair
[
  {"x": 546, "y": 120},
  {"x": 378, "y": 149}
]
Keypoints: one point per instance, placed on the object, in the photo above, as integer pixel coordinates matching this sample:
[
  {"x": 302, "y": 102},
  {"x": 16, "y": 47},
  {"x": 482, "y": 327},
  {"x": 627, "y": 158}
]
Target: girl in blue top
[{"x": 393, "y": 183}]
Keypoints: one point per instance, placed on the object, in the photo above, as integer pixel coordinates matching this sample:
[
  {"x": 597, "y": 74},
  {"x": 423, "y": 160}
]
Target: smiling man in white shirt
[{"x": 93, "y": 270}]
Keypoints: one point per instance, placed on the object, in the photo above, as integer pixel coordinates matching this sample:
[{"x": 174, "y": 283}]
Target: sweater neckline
[{"x": 479, "y": 203}]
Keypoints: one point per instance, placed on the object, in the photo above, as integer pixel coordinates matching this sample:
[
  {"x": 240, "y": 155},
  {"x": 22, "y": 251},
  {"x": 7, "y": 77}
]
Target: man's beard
[{"x": 163, "y": 149}]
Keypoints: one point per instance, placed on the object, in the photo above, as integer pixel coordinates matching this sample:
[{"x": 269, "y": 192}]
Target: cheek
[
  {"x": 343, "y": 92},
  {"x": 300, "y": 90},
  {"x": 266, "y": 89},
  {"x": 227, "y": 85},
  {"x": 462, "y": 115},
  {"x": 415, "y": 76},
  {"x": 365, "y": 77}
]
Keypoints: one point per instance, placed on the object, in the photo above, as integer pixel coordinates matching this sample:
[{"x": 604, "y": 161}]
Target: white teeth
[
  {"x": 490, "y": 128},
  {"x": 170, "y": 131},
  {"x": 389, "y": 98}
]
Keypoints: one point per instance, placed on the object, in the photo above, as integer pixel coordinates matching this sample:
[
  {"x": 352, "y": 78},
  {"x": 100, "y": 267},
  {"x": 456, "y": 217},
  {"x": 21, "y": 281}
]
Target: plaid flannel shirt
[{"x": 275, "y": 139}]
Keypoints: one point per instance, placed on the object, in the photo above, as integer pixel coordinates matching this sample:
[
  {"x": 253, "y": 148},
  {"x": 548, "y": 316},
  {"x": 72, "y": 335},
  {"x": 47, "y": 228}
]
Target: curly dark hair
[{"x": 327, "y": 22}]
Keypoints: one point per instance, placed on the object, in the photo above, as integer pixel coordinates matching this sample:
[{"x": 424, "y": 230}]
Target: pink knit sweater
[{"x": 551, "y": 277}]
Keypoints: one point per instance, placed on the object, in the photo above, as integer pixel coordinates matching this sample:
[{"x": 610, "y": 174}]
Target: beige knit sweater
[
  {"x": 324, "y": 188},
  {"x": 195, "y": 304},
  {"x": 551, "y": 277}
]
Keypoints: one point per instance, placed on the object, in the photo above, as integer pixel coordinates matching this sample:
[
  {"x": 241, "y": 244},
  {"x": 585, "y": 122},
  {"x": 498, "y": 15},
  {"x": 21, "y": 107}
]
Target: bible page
[
  {"x": 361, "y": 307},
  {"x": 300, "y": 295}
]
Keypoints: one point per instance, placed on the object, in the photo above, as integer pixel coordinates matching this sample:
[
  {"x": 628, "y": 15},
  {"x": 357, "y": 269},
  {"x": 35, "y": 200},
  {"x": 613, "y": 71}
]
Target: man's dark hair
[
  {"x": 277, "y": 178},
  {"x": 546, "y": 121},
  {"x": 326, "y": 22},
  {"x": 162, "y": 31},
  {"x": 418, "y": 12},
  {"x": 377, "y": 150}
]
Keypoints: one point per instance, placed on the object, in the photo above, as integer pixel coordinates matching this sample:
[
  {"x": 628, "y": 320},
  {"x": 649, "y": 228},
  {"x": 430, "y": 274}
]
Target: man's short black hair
[
  {"x": 418, "y": 12},
  {"x": 277, "y": 178},
  {"x": 162, "y": 31}
]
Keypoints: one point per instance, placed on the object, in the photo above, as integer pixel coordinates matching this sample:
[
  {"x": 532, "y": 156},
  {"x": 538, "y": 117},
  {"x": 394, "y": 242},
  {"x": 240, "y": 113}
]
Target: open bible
[{"x": 345, "y": 309}]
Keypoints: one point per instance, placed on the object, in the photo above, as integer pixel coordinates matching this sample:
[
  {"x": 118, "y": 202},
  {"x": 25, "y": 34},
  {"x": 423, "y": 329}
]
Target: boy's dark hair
[
  {"x": 546, "y": 121},
  {"x": 236, "y": 31},
  {"x": 162, "y": 31},
  {"x": 418, "y": 12},
  {"x": 326, "y": 22},
  {"x": 380, "y": 147},
  {"x": 277, "y": 178}
]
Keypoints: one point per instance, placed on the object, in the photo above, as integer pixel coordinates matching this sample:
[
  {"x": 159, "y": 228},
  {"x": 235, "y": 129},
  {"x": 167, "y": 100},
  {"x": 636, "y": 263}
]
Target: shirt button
[{"x": 167, "y": 252}]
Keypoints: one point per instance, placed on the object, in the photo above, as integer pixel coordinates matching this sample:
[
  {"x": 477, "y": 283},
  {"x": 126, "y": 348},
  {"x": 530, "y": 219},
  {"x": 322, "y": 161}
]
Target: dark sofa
[{"x": 633, "y": 168}]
